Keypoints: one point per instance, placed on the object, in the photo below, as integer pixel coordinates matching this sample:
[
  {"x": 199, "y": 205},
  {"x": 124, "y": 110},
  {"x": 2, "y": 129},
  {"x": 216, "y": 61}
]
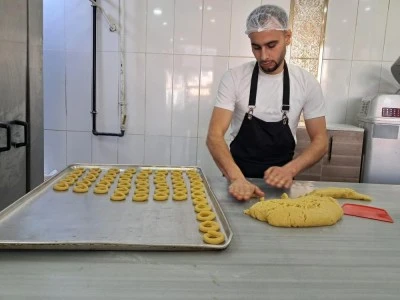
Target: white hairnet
[{"x": 266, "y": 17}]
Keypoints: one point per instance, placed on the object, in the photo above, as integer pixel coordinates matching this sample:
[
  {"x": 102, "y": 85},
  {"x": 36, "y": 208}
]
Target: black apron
[{"x": 259, "y": 144}]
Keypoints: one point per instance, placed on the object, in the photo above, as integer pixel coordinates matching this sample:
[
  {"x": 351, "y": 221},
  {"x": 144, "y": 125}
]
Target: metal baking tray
[{"x": 46, "y": 219}]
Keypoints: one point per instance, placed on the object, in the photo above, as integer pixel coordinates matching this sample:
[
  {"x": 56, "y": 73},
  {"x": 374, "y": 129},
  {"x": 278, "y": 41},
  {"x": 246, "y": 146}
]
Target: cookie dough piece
[
  {"x": 344, "y": 193},
  {"x": 308, "y": 211}
]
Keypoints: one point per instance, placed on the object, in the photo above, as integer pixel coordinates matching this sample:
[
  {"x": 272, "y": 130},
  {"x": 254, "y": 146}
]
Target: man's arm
[
  {"x": 282, "y": 176},
  {"x": 219, "y": 124},
  {"x": 240, "y": 188},
  {"x": 316, "y": 129}
]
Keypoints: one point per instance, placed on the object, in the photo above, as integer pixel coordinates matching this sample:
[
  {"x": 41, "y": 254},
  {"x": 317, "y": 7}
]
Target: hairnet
[{"x": 266, "y": 17}]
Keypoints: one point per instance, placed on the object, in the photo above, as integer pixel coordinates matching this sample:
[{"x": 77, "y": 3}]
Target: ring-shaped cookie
[
  {"x": 179, "y": 196},
  {"x": 162, "y": 190},
  {"x": 61, "y": 186},
  {"x": 197, "y": 184},
  {"x": 140, "y": 197},
  {"x": 131, "y": 170},
  {"x": 126, "y": 175},
  {"x": 141, "y": 181},
  {"x": 147, "y": 171},
  {"x": 198, "y": 194},
  {"x": 142, "y": 189},
  {"x": 213, "y": 237},
  {"x": 199, "y": 200},
  {"x": 162, "y": 184},
  {"x": 103, "y": 182},
  {"x": 118, "y": 196},
  {"x": 101, "y": 189},
  {"x": 177, "y": 181},
  {"x": 142, "y": 177},
  {"x": 197, "y": 188},
  {"x": 85, "y": 181},
  {"x": 208, "y": 226},
  {"x": 124, "y": 184},
  {"x": 69, "y": 180},
  {"x": 123, "y": 189},
  {"x": 179, "y": 184},
  {"x": 80, "y": 188},
  {"x": 180, "y": 190},
  {"x": 160, "y": 196},
  {"x": 108, "y": 178},
  {"x": 91, "y": 177},
  {"x": 114, "y": 170},
  {"x": 96, "y": 169},
  {"x": 77, "y": 172},
  {"x": 159, "y": 180},
  {"x": 205, "y": 215},
  {"x": 202, "y": 207}
]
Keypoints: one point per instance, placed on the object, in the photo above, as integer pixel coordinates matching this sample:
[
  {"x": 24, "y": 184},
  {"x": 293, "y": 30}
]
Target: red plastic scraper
[{"x": 368, "y": 212}]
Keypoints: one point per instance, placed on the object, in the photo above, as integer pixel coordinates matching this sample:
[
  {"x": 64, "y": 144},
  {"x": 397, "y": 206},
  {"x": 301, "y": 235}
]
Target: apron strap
[{"x": 286, "y": 92}]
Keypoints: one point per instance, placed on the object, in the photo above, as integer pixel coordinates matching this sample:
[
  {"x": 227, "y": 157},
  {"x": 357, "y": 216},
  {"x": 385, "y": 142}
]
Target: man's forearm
[
  {"x": 223, "y": 158},
  {"x": 312, "y": 154}
]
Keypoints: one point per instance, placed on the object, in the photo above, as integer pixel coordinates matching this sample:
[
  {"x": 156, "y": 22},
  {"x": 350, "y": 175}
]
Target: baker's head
[{"x": 267, "y": 28}]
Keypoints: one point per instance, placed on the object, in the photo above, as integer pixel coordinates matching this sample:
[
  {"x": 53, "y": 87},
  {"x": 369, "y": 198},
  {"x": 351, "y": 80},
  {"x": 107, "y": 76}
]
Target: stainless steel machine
[
  {"x": 380, "y": 117},
  {"x": 21, "y": 98}
]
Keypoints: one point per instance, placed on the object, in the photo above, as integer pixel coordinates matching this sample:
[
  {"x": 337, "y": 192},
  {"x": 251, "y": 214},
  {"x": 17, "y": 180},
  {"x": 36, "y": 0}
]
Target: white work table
[{"x": 355, "y": 259}]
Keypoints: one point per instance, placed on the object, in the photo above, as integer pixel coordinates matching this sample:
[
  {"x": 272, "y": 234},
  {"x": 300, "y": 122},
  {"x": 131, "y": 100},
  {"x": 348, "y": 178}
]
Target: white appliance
[{"x": 380, "y": 117}]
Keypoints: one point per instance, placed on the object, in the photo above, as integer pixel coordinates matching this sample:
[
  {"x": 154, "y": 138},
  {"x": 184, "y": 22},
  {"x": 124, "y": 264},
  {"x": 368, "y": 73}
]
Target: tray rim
[{"x": 104, "y": 245}]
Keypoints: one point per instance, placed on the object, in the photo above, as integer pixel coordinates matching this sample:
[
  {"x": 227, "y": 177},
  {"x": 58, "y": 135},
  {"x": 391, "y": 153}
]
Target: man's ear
[{"x": 288, "y": 37}]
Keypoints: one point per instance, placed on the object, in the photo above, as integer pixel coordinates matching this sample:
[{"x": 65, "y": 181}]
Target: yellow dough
[
  {"x": 307, "y": 211},
  {"x": 344, "y": 193}
]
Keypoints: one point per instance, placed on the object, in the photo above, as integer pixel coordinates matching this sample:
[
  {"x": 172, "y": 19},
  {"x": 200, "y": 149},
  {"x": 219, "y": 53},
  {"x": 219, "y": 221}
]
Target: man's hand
[
  {"x": 242, "y": 189},
  {"x": 280, "y": 177}
]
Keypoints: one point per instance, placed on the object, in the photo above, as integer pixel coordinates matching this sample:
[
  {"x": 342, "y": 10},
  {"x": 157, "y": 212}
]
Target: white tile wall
[
  {"x": 240, "y": 43},
  {"x": 185, "y": 105},
  {"x": 159, "y": 71},
  {"x": 79, "y": 91},
  {"x": 365, "y": 78},
  {"x": 135, "y": 25},
  {"x": 160, "y": 26},
  {"x": 54, "y": 93},
  {"x": 183, "y": 151},
  {"x": 106, "y": 39},
  {"x": 107, "y": 92},
  {"x": 370, "y": 29},
  {"x": 212, "y": 69},
  {"x": 157, "y": 150},
  {"x": 104, "y": 150},
  {"x": 335, "y": 82},
  {"x": 340, "y": 29},
  {"x": 55, "y": 150},
  {"x": 392, "y": 42},
  {"x": 53, "y": 25},
  {"x": 78, "y": 25},
  {"x": 79, "y": 147},
  {"x": 131, "y": 149},
  {"x": 135, "y": 92},
  {"x": 216, "y": 27},
  {"x": 171, "y": 83},
  {"x": 188, "y": 23}
]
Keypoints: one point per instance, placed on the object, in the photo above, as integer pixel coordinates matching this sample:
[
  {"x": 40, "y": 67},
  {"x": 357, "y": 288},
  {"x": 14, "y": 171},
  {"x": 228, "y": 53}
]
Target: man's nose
[{"x": 264, "y": 54}]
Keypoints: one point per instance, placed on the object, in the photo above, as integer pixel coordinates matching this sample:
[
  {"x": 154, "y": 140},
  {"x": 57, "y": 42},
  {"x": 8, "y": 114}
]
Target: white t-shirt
[{"x": 305, "y": 96}]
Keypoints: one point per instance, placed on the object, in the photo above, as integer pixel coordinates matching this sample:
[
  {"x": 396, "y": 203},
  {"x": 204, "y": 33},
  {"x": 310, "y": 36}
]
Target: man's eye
[
  {"x": 256, "y": 48},
  {"x": 271, "y": 46}
]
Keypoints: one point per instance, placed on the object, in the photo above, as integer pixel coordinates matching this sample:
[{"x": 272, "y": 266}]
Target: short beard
[{"x": 276, "y": 66}]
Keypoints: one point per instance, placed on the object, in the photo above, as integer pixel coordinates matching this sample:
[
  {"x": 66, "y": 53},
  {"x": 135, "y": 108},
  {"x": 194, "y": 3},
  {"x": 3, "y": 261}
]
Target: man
[{"x": 263, "y": 101}]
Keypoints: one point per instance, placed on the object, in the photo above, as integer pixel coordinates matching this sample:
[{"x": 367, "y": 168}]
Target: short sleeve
[
  {"x": 314, "y": 106},
  {"x": 226, "y": 95}
]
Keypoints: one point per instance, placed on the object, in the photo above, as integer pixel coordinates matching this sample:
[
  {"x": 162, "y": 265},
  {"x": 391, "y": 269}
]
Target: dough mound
[
  {"x": 307, "y": 211},
  {"x": 344, "y": 193}
]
